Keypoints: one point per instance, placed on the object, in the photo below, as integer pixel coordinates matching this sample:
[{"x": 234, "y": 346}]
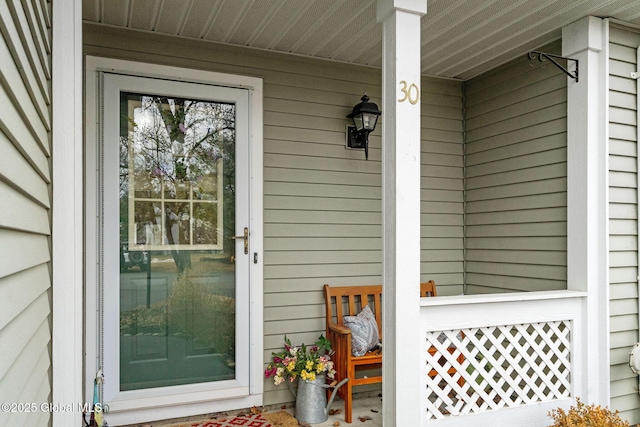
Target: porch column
[
  {"x": 587, "y": 198},
  {"x": 401, "y": 209}
]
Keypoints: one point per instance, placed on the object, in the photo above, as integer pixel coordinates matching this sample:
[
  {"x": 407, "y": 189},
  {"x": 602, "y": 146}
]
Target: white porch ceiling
[{"x": 460, "y": 38}]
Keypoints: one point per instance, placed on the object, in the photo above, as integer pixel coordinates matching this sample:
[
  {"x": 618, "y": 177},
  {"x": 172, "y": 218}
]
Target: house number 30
[{"x": 411, "y": 92}]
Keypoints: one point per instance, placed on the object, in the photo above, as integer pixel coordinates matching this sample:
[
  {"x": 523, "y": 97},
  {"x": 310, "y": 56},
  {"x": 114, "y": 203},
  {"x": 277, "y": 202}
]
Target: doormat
[
  {"x": 276, "y": 419},
  {"x": 281, "y": 419}
]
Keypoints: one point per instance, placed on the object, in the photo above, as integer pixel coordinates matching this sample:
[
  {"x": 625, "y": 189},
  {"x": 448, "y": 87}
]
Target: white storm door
[{"x": 174, "y": 277}]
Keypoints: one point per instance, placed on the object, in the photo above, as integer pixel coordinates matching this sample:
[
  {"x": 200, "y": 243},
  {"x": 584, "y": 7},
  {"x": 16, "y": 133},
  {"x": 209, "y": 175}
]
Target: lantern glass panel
[
  {"x": 369, "y": 121},
  {"x": 358, "y": 122}
]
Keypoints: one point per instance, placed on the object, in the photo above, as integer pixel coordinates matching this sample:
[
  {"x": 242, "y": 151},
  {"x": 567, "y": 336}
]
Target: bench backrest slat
[{"x": 349, "y": 300}]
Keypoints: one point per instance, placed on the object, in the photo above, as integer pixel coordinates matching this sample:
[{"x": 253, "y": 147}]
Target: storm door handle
[{"x": 245, "y": 236}]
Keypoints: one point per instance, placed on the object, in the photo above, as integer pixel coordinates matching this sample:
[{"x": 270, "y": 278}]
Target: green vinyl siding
[
  {"x": 516, "y": 178},
  {"x": 623, "y": 218},
  {"x": 25, "y": 209}
]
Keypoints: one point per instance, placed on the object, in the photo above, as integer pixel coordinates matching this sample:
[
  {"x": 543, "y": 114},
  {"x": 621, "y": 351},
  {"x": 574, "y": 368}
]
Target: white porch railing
[{"x": 519, "y": 354}]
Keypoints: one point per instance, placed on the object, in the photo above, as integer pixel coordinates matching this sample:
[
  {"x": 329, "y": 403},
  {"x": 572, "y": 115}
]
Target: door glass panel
[{"x": 177, "y": 217}]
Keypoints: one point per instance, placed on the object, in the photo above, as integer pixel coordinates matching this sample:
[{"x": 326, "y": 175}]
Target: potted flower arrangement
[
  {"x": 306, "y": 362},
  {"x": 312, "y": 365}
]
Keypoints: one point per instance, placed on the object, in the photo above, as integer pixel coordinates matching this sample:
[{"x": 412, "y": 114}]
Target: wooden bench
[{"x": 348, "y": 301}]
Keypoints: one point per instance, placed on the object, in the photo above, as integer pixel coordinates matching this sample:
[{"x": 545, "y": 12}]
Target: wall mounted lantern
[{"x": 365, "y": 116}]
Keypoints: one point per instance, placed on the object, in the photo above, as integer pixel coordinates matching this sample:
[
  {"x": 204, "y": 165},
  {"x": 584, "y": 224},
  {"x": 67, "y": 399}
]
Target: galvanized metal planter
[{"x": 311, "y": 399}]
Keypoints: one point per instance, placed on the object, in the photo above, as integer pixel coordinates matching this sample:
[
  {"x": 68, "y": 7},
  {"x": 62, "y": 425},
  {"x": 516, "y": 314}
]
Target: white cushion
[{"x": 364, "y": 331}]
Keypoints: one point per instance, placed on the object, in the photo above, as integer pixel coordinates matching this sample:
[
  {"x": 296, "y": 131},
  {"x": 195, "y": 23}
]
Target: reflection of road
[{"x": 139, "y": 288}]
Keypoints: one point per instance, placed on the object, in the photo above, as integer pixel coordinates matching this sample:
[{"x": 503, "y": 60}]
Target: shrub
[
  {"x": 207, "y": 318},
  {"x": 582, "y": 415}
]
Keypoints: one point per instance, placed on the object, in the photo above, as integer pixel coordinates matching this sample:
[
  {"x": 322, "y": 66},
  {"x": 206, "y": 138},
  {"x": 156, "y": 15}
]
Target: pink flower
[{"x": 270, "y": 371}]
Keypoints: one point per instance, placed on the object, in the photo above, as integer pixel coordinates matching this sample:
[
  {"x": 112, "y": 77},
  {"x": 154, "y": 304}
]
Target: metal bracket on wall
[
  {"x": 635, "y": 75},
  {"x": 541, "y": 57}
]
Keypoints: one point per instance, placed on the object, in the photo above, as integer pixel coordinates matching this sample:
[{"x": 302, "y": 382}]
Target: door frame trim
[{"x": 165, "y": 408}]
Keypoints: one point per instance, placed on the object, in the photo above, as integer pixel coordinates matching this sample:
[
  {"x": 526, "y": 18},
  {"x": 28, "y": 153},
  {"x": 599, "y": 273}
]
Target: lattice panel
[{"x": 482, "y": 369}]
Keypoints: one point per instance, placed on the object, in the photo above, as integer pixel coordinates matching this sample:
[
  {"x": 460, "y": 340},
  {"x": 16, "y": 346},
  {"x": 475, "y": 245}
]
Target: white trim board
[{"x": 66, "y": 241}]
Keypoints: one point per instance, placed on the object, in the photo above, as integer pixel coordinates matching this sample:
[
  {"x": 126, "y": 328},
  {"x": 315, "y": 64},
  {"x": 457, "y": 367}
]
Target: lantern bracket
[{"x": 357, "y": 140}]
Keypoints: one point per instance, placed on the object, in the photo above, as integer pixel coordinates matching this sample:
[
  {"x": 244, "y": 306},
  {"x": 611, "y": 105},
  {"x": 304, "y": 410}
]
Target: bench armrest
[{"x": 338, "y": 329}]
